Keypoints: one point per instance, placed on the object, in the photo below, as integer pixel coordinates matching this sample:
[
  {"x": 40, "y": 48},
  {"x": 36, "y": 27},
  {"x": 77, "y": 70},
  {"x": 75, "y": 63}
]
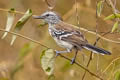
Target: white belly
[
  {"x": 63, "y": 44},
  {"x": 59, "y": 42}
]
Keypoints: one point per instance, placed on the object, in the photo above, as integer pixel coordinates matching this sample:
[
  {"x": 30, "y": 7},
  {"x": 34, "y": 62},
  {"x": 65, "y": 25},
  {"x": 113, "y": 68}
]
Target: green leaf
[
  {"x": 118, "y": 15},
  {"x": 20, "y": 63},
  {"x": 66, "y": 66},
  {"x": 25, "y": 50},
  {"x": 112, "y": 16},
  {"x": 42, "y": 24},
  {"x": 17, "y": 67},
  {"x": 117, "y": 75},
  {"x": 51, "y": 77},
  {"x": 99, "y": 8},
  {"x": 115, "y": 26},
  {"x": 2, "y": 78},
  {"x": 42, "y": 54},
  {"x": 118, "y": 30},
  {"x": 47, "y": 61},
  {"x": 10, "y": 20},
  {"x": 21, "y": 23}
]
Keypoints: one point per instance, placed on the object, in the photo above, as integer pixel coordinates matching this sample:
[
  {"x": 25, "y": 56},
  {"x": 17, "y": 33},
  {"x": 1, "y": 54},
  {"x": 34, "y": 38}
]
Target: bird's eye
[{"x": 47, "y": 15}]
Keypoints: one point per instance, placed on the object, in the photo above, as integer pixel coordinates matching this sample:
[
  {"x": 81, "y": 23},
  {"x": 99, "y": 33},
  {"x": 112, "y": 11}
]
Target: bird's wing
[{"x": 71, "y": 34}]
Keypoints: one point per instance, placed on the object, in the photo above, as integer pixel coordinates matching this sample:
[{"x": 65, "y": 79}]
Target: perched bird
[{"x": 66, "y": 35}]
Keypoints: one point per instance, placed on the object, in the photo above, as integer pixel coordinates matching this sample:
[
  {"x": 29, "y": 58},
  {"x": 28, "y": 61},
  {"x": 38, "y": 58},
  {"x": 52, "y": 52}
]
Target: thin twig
[
  {"x": 114, "y": 60},
  {"x": 76, "y": 10},
  {"x": 96, "y": 35},
  {"x": 77, "y": 18},
  {"x": 97, "y": 39},
  {"x": 107, "y": 3},
  {"x": 24, "y": 37},
  {"x": 60, "y": 54},
  {"x": 111, "y": 72},
  {"x": 82, "y": 67},
  {"x": 50, "y": 48},
  {"x": 113, "y": 7},
  {"x": 82, "y": 29},
  {"x": 47, "y": 3},
  {"x": 6, "y": 10},
  {"x": 50, "y": 6},
  {"x": 92, "y": 52}
]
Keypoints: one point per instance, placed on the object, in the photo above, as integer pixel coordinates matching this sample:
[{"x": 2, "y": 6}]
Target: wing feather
[{"x": 74, "y": 35}]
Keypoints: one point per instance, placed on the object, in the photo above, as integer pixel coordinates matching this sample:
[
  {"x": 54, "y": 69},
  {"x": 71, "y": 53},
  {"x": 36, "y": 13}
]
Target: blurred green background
[{"x": 63, "y": 69}]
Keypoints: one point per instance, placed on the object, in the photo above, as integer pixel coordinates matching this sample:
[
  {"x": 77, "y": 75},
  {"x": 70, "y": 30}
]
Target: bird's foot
[
  {"x": 73, "y": 61},
  {"x": 57, "y": 53}
]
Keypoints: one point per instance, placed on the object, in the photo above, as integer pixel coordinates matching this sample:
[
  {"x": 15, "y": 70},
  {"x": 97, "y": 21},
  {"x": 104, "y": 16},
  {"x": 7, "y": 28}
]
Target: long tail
[{"x": 96, "y": 49}]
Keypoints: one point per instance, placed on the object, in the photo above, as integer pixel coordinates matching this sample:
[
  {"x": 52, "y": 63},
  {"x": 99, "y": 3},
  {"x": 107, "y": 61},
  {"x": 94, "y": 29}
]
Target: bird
[{"x": 67, "y": 35}]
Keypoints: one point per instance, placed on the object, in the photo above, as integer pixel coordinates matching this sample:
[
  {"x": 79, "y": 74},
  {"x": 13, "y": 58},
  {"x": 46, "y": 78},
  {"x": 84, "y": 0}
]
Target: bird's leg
[
  {"x": 59, "y": 52},
  {"x": 73, "y": 59}
]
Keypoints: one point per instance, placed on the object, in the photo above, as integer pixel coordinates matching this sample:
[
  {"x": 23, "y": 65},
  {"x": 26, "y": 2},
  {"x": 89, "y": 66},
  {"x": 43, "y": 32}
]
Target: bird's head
[{"x": 50, "y": 17}]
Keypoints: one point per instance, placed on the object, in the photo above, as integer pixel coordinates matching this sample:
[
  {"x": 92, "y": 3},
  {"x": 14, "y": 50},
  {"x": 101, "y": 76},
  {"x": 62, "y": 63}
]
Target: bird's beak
[{"x": 38, "y": 17}]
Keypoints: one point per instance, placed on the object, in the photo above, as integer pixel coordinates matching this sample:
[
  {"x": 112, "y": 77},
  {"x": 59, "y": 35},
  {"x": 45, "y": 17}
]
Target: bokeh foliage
[{"x": 15, "y": 59}]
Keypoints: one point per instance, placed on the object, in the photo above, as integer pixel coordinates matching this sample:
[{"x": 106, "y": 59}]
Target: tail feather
[{"x": 96, "y": 49}]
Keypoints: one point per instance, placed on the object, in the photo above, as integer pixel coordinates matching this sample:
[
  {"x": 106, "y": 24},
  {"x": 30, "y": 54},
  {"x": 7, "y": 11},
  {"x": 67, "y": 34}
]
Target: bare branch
[
  {"x": 113, "y": 6},
  {"x": 82, "y": 67},
  {"x": 27, "y": 38},
  {"x": 83, "y": 29},
  {"x": 76, "y": 10},
  {"x": 92, "y": 53},
  {"x": 53, "y": 49},
  {"x": 114, "y": 60},
  {"x": 50, "y": 4}
]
